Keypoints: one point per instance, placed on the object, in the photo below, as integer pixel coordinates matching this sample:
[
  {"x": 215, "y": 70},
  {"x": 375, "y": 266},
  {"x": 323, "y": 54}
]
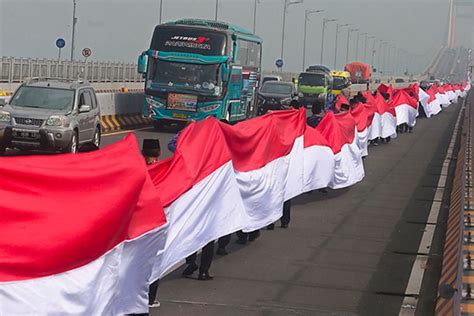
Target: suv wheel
[
  {"x": 96, "y": 138},
  {"x": 73, "y": 145},
  {"x": 2, "y": 150}
]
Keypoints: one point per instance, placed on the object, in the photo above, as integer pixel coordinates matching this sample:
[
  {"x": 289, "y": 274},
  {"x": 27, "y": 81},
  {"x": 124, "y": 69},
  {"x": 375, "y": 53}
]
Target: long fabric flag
[
  {"x": 79, "y": 233},
  {"x": 86, "y": 234}
]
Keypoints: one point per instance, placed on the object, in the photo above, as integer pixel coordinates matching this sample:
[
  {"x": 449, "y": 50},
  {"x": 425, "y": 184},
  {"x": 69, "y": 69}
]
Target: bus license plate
[
  {"x": 180, "y": 115},
  {"x": 183, "y": 102}
]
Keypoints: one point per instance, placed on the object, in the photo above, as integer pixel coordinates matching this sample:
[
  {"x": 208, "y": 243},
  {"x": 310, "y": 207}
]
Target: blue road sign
[
  {"x": 279, "y": 63},
  {"x": 60, "y": 43}
]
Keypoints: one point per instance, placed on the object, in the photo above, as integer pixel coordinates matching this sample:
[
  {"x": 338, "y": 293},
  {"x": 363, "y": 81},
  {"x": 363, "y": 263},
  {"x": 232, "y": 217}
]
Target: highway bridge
[{"x": 399, "y": 242}]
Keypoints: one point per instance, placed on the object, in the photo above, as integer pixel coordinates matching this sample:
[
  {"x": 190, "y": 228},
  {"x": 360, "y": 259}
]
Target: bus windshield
[
  {"x": 309, "y": 79},
  {"x": 204, "y": 79}
]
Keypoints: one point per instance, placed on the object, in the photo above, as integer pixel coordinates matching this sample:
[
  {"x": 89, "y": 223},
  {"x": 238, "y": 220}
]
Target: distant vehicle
[
  {"x": 270, "y": 78},
  {"x": 360, "y": 72},
  {"x": 275, "y": 95},
  {"x": 199, "y": 68},
  {"x": 52, "y": 115},
  {"x": 341, "y": 81},
  {"x": 425, "y": 85},
  {"x": 313, "y": 85},
  {"x": 318, "y": 68},
  {"x": 399, "y": 80}
]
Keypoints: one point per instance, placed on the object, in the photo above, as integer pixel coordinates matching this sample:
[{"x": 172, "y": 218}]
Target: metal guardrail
[
  {"x": 17, "y": 69},
  {"x": 455, "y": 296}
]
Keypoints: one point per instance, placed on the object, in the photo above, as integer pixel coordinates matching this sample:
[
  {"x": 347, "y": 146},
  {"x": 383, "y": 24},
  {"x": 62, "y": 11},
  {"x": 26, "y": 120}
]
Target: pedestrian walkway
[{"x": 349, "y": 252}]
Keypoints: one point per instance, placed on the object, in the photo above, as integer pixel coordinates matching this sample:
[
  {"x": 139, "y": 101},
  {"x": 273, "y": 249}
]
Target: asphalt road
[{"x": 349, "y": 252}]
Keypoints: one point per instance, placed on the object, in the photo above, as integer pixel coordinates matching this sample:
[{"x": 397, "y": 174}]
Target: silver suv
[{"x": 50, "y": 114}]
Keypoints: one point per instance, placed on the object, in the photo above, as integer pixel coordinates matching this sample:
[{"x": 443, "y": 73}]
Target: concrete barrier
[{"x": 111, "y": 123}]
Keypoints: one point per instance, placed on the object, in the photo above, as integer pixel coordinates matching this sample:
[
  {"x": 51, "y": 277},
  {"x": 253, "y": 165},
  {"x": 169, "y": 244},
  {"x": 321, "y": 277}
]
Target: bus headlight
[
  {"x": 154, "y": 103},
  {"x": 210, "y": 108}
]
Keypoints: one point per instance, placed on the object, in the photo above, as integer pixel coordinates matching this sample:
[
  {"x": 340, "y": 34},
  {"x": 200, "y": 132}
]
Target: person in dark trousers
[
  {"x": 207, "y": 255},
  {"x": 222, "y": 243},
  {"x": 208, "y": 250},
  {"x": 243, "y": 238},
  {"x": 151, "y": 151},
  {"x": 285, "y": 219}
]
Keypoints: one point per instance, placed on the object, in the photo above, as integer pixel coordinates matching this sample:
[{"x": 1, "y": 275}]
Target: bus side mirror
[{"x": 141, "y": 64}]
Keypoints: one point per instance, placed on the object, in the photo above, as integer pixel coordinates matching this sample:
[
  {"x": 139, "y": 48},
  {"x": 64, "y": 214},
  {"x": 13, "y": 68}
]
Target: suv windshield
[
  {"x": 308, "y": 79},
  {"x": 197, "y": 77},
  {"x": 43, "y": 98},
  {"x": 273, "y": 87},
  {"x": 340, "y": 83}
]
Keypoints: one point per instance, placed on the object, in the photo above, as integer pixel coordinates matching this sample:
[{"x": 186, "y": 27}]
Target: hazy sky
[{"x": 118, "y": 30}]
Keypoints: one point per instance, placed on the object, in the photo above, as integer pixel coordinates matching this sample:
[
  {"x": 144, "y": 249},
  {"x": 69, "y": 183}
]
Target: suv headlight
[
  {"x": 5, "y": 116},
  {"x": 301, "y": 95},
  {"x": 56, "y": 120},
  {"x": 285, "y": 101},
  {"x": 209, "y": 108}
]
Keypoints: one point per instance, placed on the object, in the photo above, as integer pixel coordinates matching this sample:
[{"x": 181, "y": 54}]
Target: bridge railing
[
  {"x": 17, "y": 69},
  {"x": 455, "y": 287}
]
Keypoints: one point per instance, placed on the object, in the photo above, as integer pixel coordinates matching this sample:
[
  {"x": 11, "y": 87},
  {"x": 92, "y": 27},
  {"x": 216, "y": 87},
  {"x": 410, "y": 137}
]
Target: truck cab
[{"x": 313, "y": 85}]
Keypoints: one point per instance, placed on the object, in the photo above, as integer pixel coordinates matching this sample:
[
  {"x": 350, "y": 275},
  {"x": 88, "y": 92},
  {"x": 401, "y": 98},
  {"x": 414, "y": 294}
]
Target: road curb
[{"x": 116, "y": 122}]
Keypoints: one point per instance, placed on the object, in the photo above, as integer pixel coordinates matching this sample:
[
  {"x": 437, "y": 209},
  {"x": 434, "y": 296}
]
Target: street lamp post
[
  {"x": 384, "y": 57},
  {"x": 217, "y": 9},
  {"x": 372, "y": 62},
  {"x": 325, "y": 21},
  {"x": 161, "y": 11},
  {"x": 337, "y": 35},
  {"x": 367, "y": 37},
  {"x": 349, "y": 31},
  {"x": 357, "y": 44},
  {"x": 306, "y": 16},
  {"x": 255, "y": 16},
  {"x": 287, "y": 3},
  {"x": 373, "y": 53},
  {"x": 388, "y": 63},
  {"x": 74, "y": 21}
]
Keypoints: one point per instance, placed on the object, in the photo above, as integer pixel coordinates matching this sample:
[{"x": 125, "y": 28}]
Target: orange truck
[{"x": 360, "y": 72}]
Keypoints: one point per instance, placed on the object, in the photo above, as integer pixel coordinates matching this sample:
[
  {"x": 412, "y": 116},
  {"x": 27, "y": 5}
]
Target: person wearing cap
[
  {"x": 151, "y": 151},
  {"x": 317, "y": 113}
]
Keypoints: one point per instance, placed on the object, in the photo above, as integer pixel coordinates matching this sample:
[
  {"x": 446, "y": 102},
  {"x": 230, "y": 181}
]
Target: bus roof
[
  {"x": 340, "y": 73},
  {"x": 217, "y": 25}
]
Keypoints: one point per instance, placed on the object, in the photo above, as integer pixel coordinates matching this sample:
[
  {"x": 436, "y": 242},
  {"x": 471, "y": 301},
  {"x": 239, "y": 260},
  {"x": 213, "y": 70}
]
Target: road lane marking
[{"x": 125, "y": 131}]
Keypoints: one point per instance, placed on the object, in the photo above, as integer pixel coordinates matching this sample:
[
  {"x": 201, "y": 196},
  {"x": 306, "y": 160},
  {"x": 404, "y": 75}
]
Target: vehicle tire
[
  {"x": 2, "y": 150},
  {"x": 158, "y": 125},
  {"x": 73, "y": 147},
  {"x": 96, "y": 138},
  {"x": 250, "y": 111}
]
